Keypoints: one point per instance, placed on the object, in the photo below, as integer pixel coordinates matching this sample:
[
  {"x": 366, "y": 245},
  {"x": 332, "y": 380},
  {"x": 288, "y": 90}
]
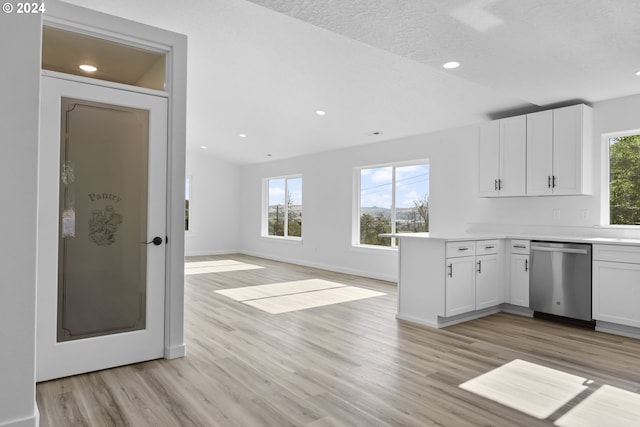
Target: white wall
[
  {"x": 455, "y": 207},
  {"x": 328, "y": 194},
  {"x": 214, "y": 219},
  {"x": 19, "y": 86}
]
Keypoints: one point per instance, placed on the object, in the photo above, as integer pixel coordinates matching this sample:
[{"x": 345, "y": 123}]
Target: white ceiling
[{"x": 375, "y": 65}]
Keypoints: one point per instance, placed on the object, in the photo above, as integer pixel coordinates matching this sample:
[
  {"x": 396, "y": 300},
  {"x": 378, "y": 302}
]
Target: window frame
[
  {"x": 605, "y": 205},
  {"x": 265, "y": 208},
  {"x": 356, "y": 214}
]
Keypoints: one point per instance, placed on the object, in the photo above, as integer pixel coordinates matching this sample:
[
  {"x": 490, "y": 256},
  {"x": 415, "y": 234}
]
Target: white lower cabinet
[
  {"x": 460, "y": 286},
  {"x": 472, "y": 282},
  {"x": 488, "y": 287},
  {"x": 519, "y": 280},
  {"x": 616, "y": 292}
]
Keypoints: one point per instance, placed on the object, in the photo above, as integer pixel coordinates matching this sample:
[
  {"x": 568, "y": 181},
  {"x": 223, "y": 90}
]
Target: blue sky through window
[{"x": 412, "y": 183}]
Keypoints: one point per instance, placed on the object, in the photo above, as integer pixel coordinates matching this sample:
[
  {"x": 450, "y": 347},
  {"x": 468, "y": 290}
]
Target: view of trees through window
[
  {"x": 393, "y": 199},
  {"x": 624, "y": 180},
  {"x": 284, "y": 211}
]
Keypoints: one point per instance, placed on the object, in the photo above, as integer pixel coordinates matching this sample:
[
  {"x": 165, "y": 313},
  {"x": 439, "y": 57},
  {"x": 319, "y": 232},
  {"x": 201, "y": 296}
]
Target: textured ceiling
[
  {"x": 542, "y": 51},
  {"x": 263, "y": 67}
]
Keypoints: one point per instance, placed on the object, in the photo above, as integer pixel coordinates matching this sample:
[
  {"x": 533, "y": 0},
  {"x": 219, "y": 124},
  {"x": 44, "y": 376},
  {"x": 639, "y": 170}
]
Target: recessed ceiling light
[
  {"x": 88, "y": 68},
  {"x": 451, "y": 64},
  {"x": 321, "y": 112},
  {"x": 242, "y": 135},
  {"x": 204, "y": 147},
  {"x": 637, "y": 73}
]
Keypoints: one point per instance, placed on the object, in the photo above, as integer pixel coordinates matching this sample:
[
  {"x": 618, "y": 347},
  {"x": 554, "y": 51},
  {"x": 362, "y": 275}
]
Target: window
[
  {"x": 391, "y": 199},
  {"x": 624, "y": 180},
  {"x": 284, "y": 207},
  {"x": 187, "y": 196}
]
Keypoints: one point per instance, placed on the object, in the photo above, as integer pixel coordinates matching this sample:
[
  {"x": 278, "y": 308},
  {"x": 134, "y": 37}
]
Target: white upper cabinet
[
  {"x": 539, "y": 153},
  {"x": 559, "y": 151},
  {"x": 502, "y": 157}
]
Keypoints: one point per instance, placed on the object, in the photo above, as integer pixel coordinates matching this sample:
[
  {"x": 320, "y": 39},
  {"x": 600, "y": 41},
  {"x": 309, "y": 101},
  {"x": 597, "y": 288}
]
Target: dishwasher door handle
[{"x": 562, "y": 250}]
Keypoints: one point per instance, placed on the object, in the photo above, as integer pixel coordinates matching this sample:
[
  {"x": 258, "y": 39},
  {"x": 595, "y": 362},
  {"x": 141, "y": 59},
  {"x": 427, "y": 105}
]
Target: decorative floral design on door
[{"x": 103, "y": 226}]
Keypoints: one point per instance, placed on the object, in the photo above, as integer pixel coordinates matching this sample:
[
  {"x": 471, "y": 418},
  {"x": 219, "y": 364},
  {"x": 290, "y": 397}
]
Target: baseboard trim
[
  {"x": 32, "y": 421},
  {"x": 413, "y": 321},
  {"x": 622, "y": 330},
  {"x": 205, "y": 253},
  {"x": 336, "y": 269},
  {"x": 174, "y": 352}
]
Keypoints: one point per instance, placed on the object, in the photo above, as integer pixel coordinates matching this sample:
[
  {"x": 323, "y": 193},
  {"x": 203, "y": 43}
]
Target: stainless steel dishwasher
[{"x": 560, "y": 279}]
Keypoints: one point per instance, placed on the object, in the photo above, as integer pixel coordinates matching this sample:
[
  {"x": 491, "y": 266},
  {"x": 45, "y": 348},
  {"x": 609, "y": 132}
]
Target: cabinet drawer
[
  {"x": 615, "y": 253},
  {"x": 486, "y": 247},
  {"x": 456, "y": 249},
  {"x": 520, "y": 247}
]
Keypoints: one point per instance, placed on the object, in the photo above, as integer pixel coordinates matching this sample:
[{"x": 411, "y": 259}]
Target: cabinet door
[
  {"x": 519, "y": 280},
  {"x": 488, "y": 289},
  {"x": 616, "y": 292},
  {"x": 460, "y": 294},
  {"x": 569, "y": 151},
  {"x": 488, "y": 159},
  {"x": 539, "y": 153},
  {"x": 513, "y": 156}
]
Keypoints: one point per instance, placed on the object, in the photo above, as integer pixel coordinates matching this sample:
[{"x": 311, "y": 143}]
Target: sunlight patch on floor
[
  {"x": 221, "y": 266},
  {"x": 278, "y": 289},
  {"x": 533, "y": 389},
  {"x": 607, "y": 406},
  {"x": 297, "y": 295}
]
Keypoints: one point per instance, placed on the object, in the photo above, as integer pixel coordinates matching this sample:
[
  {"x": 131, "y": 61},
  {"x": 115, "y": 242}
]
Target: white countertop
[{"x": 458, "y": 238}]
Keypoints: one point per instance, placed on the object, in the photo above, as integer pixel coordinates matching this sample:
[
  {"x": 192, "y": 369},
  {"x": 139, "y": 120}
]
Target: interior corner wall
[
  {"x": 214, "y": 218},
  {"x": 327, "y": 197},
  {"x": 19, "y": 118}
]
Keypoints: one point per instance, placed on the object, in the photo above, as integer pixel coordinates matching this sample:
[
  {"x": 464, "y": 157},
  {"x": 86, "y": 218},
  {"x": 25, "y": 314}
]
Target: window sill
[
  {"x": 289, "y": 240},
  {"x": 618, "y": 227}
]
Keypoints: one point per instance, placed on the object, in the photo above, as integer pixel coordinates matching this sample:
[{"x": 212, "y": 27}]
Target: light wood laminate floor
[{"x": 348, "y": 364}]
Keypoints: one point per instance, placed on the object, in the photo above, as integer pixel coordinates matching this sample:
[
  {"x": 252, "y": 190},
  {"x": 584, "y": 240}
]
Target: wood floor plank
[{"x": 346, "y": 364}]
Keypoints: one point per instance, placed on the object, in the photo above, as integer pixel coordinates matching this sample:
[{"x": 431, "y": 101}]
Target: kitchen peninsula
[{"x": 447, "y": 280}]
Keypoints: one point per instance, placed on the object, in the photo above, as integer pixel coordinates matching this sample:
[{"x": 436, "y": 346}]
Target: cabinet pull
[
  {"x": 520, "y": 246},
  {"x": 463, "y": 249},
  {"x": 526, "y": 265},
  {"x": 499, "y": 184},
  {"x": 450, "y": 270},
  {"x": 548, "y": 181},
  {"x": 479, "y": 267},
  {"x": 553, "y": 181},
  {"x": 495, "y": 184},
  {"x": 489, "y": 247}
]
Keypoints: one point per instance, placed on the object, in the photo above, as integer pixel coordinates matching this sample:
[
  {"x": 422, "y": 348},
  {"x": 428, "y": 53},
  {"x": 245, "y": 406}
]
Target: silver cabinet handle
[
  {"x": 495, "y": 184},
  {"x": 526, "y": 265},
  {"x": 548, "y": 181},
  {"x": 463, "y": 249},
  {"x": 479, "y": 267},
  {"x": 450, "y": 270},
  {"x": 520, "y": 246},
  {"x": 490, "y": 247},
  {"x": 553, "y": 181}
]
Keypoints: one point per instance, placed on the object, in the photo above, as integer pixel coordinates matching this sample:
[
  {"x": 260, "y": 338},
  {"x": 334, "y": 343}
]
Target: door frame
[{"x": 97, "y": 24}]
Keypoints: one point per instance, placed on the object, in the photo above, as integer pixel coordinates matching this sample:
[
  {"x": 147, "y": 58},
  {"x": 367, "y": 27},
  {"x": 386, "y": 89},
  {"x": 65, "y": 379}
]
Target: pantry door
[{"x": 101, "y": 228}]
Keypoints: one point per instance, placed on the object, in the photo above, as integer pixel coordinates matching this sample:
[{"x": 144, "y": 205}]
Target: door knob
[{"x": 156, "y": 241}]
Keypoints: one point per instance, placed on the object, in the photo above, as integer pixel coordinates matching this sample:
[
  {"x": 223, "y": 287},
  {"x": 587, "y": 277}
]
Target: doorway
[{"x": 102, "y": 228}]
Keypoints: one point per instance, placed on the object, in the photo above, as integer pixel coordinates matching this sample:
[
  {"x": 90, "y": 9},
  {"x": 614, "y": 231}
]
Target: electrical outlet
[{"x": 584, "y": 214}]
